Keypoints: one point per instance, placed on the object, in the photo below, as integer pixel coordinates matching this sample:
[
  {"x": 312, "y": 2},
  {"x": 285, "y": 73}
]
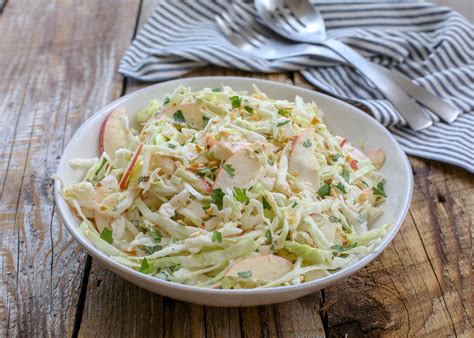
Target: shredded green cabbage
[{"x": 223, "y": 179}]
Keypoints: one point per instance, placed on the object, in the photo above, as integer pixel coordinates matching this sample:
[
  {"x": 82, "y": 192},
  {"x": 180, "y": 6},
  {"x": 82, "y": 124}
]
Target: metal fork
[{"x": 246, "y": 33}]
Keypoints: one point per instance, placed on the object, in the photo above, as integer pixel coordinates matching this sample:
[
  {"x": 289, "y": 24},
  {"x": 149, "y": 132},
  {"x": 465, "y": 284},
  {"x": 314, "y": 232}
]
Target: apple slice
[
  {"x": 125, "y": 177},
  {"x": 191, "y": 112},
  {"x": 222, "y": 150},
  {"x": 302, "y": 161},
  {"x": 376, "y": 156},
  {"x": 246, "y": 167},
  {"x": 266, "y": 267},
  {"x": 112, "y": 133}
]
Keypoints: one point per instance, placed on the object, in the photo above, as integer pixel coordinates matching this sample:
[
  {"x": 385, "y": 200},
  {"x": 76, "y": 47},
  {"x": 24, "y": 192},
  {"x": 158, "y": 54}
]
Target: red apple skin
[
  {"x": 124, "y": 180},
  {"x": 111, "y": 131}
]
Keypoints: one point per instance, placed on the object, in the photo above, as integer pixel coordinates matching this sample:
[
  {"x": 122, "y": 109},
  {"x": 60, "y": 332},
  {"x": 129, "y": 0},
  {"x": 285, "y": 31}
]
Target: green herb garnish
[
  {"x": 379, "y": 189},
  {"x": 345, "y": 175},
  {"x": 334, "y": 219},
  {"x": 283, "y": 112},
  {"x": 336, "y": 157},
  {"x": 324, "y": 191},
  {"x": 245, "y": 274},
  {"x": 166, "y": 101},
  {"x": 229, "y": 169},
  {"x": 265, "y": 203},
  {"x": 178, "y": 117},
  {"x": 240, "y": 194},
  {"x": 216, "y": 90},
  {"x": 307, "y": 143},
  {"x": 341, "y": 187},
  {"x": 171, "y": 146},
  {"x": 249, "y": 109},
  {"x": 204, "y": 171},
  {"x": 280, "y": 124},
  {"x": 145, "y": 267},
  {"x": 155, "y": 234},
  {"x": 217, "y": 237},
  {"x": 294, "y": 205},
  {"x": 268, "y": 235},
  {"x": 217, "y": 196},
  {"x": 106, "y": 235},
  {"x": 236, "y": 101}
]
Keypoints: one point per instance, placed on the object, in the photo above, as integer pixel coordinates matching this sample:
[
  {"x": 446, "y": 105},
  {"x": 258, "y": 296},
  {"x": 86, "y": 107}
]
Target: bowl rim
[{"x": 73, "y": 226}]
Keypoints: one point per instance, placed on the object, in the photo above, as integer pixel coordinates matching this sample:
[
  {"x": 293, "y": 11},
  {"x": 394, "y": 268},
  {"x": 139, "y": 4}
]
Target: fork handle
[{"x": 415, "y": 116}]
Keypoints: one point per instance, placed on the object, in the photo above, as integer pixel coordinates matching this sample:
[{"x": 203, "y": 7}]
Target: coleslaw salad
[{"x": 227, "y": 190}]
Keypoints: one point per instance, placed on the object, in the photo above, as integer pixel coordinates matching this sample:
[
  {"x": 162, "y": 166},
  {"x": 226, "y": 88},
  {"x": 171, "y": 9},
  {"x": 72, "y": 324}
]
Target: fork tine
[
  {"x": 252, "y": 27},
  {"x": 253, "y": 38},
  {"x": 233, "y": 37},
  {"x": 237, "y": 30}
]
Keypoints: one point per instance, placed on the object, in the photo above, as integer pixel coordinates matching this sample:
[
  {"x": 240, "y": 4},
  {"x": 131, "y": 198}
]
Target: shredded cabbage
[{"x": 213, "y": 180}]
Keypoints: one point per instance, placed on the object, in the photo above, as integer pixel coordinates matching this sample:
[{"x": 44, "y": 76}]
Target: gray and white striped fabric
[{"x": 431, "y": 44}]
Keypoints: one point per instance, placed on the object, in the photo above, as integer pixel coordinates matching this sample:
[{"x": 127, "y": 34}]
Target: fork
[{"x": 259, "y": 41}]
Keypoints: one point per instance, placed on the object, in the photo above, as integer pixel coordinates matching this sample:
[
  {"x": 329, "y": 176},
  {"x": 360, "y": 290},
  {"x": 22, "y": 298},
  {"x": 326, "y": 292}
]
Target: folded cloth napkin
[{"x": 431, "y": 44}]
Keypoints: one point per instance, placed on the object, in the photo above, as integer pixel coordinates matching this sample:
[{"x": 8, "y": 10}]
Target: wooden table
[{"x": 58, "y": 62}]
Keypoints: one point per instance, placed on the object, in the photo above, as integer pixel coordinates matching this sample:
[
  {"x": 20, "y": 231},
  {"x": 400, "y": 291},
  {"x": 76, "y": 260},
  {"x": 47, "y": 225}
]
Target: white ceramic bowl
[{"x": 341, "y": 118}]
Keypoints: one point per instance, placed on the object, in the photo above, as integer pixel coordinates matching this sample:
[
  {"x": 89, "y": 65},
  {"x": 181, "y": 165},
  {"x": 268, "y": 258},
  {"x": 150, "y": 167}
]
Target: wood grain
[{"x": 56, "y": 71}]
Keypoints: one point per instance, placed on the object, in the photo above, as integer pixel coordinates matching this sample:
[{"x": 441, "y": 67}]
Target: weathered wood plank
[
  {"x": 56, "y": 71},
  {"x": 421, "y": 284}
]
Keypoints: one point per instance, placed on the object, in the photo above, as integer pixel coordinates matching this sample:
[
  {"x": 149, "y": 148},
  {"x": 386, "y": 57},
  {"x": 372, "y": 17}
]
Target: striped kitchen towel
[{"x": 431, "y": 44}]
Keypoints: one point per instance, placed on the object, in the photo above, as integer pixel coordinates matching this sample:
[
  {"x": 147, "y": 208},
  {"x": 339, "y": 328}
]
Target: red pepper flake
[
  {"x": 344, "y": 141},
  {"x": 353, "y": 164}
]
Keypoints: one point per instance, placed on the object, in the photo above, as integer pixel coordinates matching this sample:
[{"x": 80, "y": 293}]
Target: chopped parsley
[
  {"x": 249, "y": 109},
  {"x": 217, "y": 237},
  {"x": 178, "y": 116},
  {"x": 379, "y": 190},
  {"x": 236, "y": 101},
  {"x": 280, "y": 124},
  {"x": 336, "y": 157},
  {"x": 307, "y": 143},
  {"x": 205, "y": 120},
  {"x": 171, "y": 146},
  {"x": 265, "y": 203},
  {"x": 217, "y": 196},
  {"x": 341, "y": 187},
  {"x": 268, "y": 235},
  {"x": 324, "y": 191},
  {"x": 106, "y": 235},
  {"x": 345, "y": 175},
  {"x": 229, "y": 169},
  {"x": 145, "y": 267},
  {"x": 283, "y": 112},
  {"x": 240, "y": 194},
  {"x": 166, "y": 100},
  {"x": 155, "y": 234},
  {"x": 294, "y": 205},
  {"x": 245, "y": 274},
  {"x": 204, "y": 171},
  {"x": 269, "y": 161},
  {"x": 216, "y": 90},
  {"x": 340, "y": 248},
  {"x": 334, "y": 219}
]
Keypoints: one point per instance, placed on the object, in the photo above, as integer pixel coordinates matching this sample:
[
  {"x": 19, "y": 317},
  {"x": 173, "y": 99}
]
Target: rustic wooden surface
[{"x": 58, "y": 62}]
